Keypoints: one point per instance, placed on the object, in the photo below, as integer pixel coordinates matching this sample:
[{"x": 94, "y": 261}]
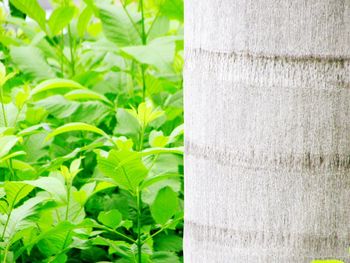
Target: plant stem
[
  {"x": 3, "y": 105},
  {"x": 143, "y": 69},
  {"x": 162, "y": 229},
  {"x": 6, "y": 251},
  {"x": 144, "y": 42},
  {"x": 68, "y": 199},
  {"x": 139, "y": 211},
  {"x": 72, "y": 62},
  {"x": 61, "y": 58}
]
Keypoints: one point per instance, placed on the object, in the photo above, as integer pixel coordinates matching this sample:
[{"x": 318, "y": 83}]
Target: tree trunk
[{"x": 267, "y": 115}]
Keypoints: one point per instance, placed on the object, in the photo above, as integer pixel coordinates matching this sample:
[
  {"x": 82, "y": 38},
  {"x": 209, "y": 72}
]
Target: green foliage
[
  {"x": 32, "y": 9},
  {"x": 91, "y": 131},
  {"x": 60, "y": 18},
  {"x": 164, "y": 206}
]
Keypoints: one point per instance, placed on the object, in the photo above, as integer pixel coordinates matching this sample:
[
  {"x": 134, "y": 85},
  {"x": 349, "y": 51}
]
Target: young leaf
[
  {"x": 111, "y": 218},
  {"x": 145, "y": 113},
  {"x": 157, "y": 139},
  {"x": 83, "y": 20},
  {"x": 165, "y": 205},
  {"x": 76, "y": 126},
  {"x": 60, "y": 18}
]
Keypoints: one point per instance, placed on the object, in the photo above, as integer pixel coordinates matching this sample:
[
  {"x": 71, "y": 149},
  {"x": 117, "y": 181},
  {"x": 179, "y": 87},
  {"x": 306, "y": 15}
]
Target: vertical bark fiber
[{"x": 267, "y": 115}]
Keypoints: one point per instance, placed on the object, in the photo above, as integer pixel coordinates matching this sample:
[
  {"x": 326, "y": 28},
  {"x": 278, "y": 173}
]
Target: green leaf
[
  {"x": 54, "y": 84},
  {"x": 145, "y": 113},
  {"x": 60, "y": 18},
  {"x": 111, "y": 218},
  {"x": 159, "y": 28},
  {"x": 76, "y": 126},
  {"x": 31, "y": 61},
  {"x": 83, "y": 20},
  {"x": 157, "y": 139},
  {"x": 58, "y": 106},
  {"x": 127, "y": 124},
  {"x": 125, "y": 167},
  {"x": 179, "y": 130},
  {"x": 6, "y": 144},
  {"x": 32, "y": 9},
  {"x": 159, "y": 53},
  {"x": 16, "y": 191},
  {"x": 19, "y": 165},
  {"x": 19, "y": 218},
  {"x": 165, "y": 257},
  {"x": 173, "y": 9},
  {"x": 55, "y": 239},
  {"x": 151, "y": 151},
  {"x": 168, "y": 243},
  {"x": 51, "y": 185},
  {"x": 85, "y": 94},
  {"x": 164, "y": 206},
  {"x": 150, "y": 181},
  {"x": 118, "y": 27},
  {"x": 12, "y": 155}
]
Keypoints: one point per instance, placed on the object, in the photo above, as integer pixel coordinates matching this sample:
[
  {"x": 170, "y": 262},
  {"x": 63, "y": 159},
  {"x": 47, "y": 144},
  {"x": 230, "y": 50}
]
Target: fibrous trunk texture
[{"x": 267, "y": 116}]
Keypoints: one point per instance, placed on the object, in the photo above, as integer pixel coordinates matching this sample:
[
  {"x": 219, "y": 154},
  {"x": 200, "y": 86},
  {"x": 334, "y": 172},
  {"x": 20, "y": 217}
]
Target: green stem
[
  {"x": 3, "y": 105},
  {"x": 130, "y": 18},
  {"x": 142, "y": 134},
  {"x": 144, "y": 42},
  {"x": 61, "y": 58},
  {"x": 143, "y": 32},
  {"x": 6, "y": 251},
  {"x": 117, "y": 233},
  {"x": 10, "y": 167},
  {"x": 143, "y": 69},
  {"x": 139, "y": 213},
  {"x": 162, "y": 229},
  {"x": 68, "y": 198},
  {"x": 72, "y": 62}
]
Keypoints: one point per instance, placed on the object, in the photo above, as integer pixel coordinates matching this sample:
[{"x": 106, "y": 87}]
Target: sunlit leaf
[
  {"x": 32, "y": 9},
  {"x": 53, "y": 84},
  {"x": 60, "y": 18},
  {"x": 76, "y": 126}
]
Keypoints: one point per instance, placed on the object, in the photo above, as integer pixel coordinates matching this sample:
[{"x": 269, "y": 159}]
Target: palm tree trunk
[{"x": 267, "y": 115}]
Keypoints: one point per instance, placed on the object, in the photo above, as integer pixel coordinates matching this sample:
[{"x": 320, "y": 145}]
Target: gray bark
[{"x": 267, "y": 121}]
